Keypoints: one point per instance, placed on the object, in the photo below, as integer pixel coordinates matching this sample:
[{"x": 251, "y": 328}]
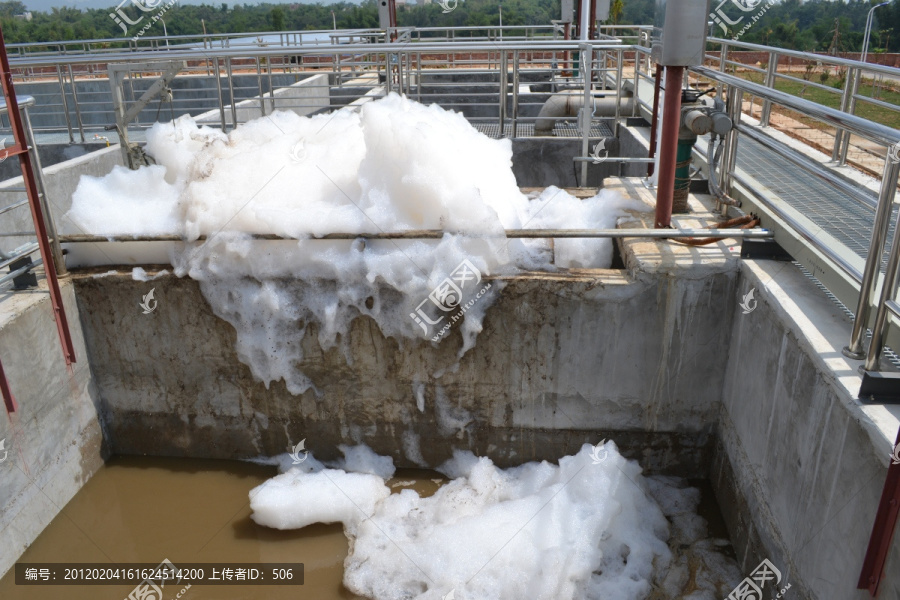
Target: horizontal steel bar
[
  {"x": 893, "y": 307},
  {"x": 6, "y": 209},
  {"x": 613, "y": 159},
  {"x": 20, "y": 271},
  {"x": 19, "y": 253},
  {"x": 875, "y": 132},
  {"x": 439, "y": 233}
]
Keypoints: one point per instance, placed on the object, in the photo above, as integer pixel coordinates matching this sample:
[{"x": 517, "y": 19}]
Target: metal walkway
[{"x": 839, "y": 215}]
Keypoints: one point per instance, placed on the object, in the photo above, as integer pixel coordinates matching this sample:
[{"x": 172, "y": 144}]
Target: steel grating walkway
[
  {"x": 839, "y": 215},
  {"x": 561, "y": 130}
]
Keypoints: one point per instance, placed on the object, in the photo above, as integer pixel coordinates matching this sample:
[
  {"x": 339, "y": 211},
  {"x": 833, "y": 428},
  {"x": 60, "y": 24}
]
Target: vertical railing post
[
  {"x": 587, "y": 106},
  {"x": 845, "y": 139},
  {"x": 65, "y": 103},
  {"x": 873, "y": 264},
  {"x": 515, "y": 98},
  {"x": 839, "y": 133},
  {"x": 729, "y": 154},
  {"x": 503, "y": 68},
  {"x": 620, "y": 56},
  {"x": 723, "y": 66},
  {"x": 219, "y": 94},
  {"x": 771, "y": 70}
]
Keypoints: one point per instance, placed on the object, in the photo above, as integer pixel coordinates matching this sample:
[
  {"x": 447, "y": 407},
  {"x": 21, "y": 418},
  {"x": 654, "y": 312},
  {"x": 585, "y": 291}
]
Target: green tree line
[{"x": 812, "y": 25}]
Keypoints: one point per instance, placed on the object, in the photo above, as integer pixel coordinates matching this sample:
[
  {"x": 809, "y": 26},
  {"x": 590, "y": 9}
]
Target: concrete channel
[{"x": 655, "y": 354}]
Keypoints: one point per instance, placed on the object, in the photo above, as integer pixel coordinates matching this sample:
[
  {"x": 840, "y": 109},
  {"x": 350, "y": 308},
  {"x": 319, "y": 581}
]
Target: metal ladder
[{"x": 25, "y": 150}]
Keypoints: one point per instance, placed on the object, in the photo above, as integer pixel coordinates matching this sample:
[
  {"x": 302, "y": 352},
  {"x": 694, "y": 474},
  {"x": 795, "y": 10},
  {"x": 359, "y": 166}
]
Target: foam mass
[
  {"x": 579, "y": 529},
  {"x": 394, "y": 165}
]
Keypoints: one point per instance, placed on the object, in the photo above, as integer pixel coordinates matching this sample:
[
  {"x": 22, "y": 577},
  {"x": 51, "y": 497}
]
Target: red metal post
[
  {"x": 8, "y": 399},
  {"x": 657, "y": 78},
  {"x": 882, "y": 531},
  {"x": 37, "y": 214},
  {"x": 668, "y": 147}
]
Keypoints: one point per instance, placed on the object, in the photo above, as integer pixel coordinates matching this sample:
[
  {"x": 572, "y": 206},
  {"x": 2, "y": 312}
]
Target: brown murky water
[{"x": 144, "y": 510}]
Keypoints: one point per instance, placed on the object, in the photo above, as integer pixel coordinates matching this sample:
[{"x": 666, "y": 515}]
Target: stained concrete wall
[
  {"x": 53, "y": 442},
  {"x": 60, "y": 181},
  {"x": 800, "y": 462},
  {"x": 561, "y": 361}
]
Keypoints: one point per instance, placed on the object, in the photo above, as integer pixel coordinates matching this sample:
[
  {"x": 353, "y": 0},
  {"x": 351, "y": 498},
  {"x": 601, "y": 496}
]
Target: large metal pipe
[
  {"x": 668, "y": 146},
  {"x": 568, "y": 103},
  {"x": 436, "y": 234}
]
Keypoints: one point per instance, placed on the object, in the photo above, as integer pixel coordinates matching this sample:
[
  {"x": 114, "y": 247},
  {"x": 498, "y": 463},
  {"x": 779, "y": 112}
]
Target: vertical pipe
[
  {"x": 8, "y": 399},
  {"x": 230, "y": 74},
  {"x": 771, "y": 69},
  {"x": 657, "y": 77},
  {"x": 584, "y": 21},
  {"x": 729, "y": 159},
  {"x": 619, "y": 85},
  {"x": 845, "y": 107},
  {"x": 515, "y": 98},
  {"x": 219, "y": 93},
  {"x": 65, "y": 103},
  {"x": 503, "y": 68},
  {"x": 586, "y": 55},
  {"x": 668, "y": 146},
  {"x": 49, "y": 222},
  {"x": 882, "y": 530},
  {"x": 873, "y": 263},
  {"x": 77, "y": 105},
  {"x": 259, "y": 87},
  {"x": 845, "y": 137}
]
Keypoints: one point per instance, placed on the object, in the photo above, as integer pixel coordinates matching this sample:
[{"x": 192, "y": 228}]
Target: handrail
[
  {"x": 824, "y": 58},
  {"x": 875, "y": 132}
]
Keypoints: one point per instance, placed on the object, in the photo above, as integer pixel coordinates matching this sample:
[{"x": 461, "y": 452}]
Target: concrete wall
[
  {"x": 800, "y": 462},
  {"x": 60, "y": 180},
  {"x": 636, "y": 355},
  {"x": 54, "y": 441},
  {"x": 193, "y": 95},
  {"x": 303, "y": 98}
]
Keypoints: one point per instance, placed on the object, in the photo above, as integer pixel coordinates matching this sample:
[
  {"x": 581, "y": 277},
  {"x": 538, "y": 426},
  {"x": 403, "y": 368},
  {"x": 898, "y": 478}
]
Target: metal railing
[{"x": 488, "y": 73}]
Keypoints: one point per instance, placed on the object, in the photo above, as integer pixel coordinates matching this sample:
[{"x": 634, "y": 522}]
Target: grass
[{"x": 878, "y": 114}]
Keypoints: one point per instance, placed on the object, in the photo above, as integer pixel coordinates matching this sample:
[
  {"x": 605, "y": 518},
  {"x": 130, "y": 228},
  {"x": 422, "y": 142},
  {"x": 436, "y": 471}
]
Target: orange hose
[{"x": 745, "y": 222}]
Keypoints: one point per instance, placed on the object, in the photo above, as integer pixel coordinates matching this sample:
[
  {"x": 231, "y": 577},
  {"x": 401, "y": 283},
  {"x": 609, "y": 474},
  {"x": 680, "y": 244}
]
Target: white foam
[
  {"x": 395, "y": 165},
  {"x": 361, "y": 459},
  {"x": 577, "y": 530}
]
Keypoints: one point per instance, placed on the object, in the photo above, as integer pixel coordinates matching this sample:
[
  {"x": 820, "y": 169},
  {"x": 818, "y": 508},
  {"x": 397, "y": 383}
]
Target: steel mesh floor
[
  {"x": 837, "y": 214},
  {"x": 562, "y": 130}
]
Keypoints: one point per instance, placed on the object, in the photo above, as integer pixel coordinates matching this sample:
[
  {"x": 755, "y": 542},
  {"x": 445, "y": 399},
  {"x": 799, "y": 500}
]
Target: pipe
[
  {"x": 668, "y": 146},
  {"x": 568, "y": 103},
  {"x": 657, "y": 77},
  {"x": 436, "y": 234},
  {"x": 745, "y": 222}
]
